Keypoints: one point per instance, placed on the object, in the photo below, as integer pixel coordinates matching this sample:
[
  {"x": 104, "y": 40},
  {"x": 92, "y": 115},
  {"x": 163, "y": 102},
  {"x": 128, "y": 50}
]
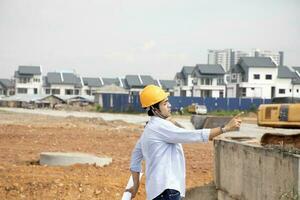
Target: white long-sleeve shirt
[{"x": 160, "y": 147}]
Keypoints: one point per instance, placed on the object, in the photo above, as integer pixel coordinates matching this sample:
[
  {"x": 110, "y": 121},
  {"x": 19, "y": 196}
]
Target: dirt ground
[{"x": 24, "y": 136}]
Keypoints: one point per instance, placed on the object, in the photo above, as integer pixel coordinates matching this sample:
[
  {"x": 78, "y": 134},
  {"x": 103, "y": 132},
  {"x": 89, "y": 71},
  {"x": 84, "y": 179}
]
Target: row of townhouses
[
  {"x": 254, "y": 77},
  {"x": 29, "y": 80}
]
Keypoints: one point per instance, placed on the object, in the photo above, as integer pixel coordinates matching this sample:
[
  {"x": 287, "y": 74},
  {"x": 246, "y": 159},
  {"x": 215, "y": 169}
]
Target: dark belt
[{"x": 168, "y": 194}]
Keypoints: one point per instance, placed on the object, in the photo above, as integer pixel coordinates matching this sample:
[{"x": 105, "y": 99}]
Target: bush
[
  {"x": 253, "y": 108},
  {"x": 131, "y": 109},
  {"x": 224, "y": 112},
  {"x": 98, "y": 108}
]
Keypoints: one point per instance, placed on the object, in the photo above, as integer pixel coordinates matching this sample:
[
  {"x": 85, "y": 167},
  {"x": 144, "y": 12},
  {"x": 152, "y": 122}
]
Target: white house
[
  {"x": 202, "y": 80},
  {"x": 285, "y": 84},
  {"x": 62, "y": 83},
  {"x": 135, "y": 83},
  {"x": 260, "y": 77},
  {"x": 7, "y": 87},
  {"x": 184, "y": 81},
  {"x": 28, "y": 80},
  {"x": 91, "y": 85},
  {"x": 208, "y": 81},
  {"x": 296, "y": 82}
]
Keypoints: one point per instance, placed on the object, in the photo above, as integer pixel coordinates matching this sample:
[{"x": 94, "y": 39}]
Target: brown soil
[
  {"x": 291, "y": 141},
  {"x": 24, "y": 137}
]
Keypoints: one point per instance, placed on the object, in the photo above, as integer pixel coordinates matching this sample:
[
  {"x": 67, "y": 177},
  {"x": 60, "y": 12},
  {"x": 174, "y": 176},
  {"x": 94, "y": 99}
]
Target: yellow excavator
[{"x": 279, "y": 115}]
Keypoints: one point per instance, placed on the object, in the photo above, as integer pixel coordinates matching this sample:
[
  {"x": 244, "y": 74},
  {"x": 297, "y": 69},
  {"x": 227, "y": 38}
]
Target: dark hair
[{"x": 150, "y": 112}]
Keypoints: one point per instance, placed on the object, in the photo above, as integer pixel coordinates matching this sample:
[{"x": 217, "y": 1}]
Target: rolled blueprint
[{"x": 127, "y": 195}]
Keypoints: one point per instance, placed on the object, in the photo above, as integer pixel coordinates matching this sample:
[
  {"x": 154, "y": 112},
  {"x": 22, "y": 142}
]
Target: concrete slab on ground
[{"x": 71, "y": 158}]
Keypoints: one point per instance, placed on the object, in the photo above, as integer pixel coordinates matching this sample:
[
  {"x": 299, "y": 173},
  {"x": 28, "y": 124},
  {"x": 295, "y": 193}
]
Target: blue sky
[{"x": 111, "y": 38}]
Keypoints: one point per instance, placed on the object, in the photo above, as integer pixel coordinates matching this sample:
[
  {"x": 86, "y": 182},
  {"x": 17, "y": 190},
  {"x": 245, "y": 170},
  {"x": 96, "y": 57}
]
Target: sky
[{"x": 114, "y": 38}]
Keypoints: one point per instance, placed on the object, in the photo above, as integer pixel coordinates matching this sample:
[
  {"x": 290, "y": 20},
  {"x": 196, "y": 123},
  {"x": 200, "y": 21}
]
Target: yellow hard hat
[{"x": 151, "y": 95}]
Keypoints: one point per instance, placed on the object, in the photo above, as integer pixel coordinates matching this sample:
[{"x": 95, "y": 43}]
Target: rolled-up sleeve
[
  {"x": 136, "y": 158},
  {"x": 173, "y": 134}
]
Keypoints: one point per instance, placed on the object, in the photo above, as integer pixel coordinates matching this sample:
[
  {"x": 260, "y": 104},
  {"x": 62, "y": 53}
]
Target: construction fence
[{"x": 131, "y": 103}]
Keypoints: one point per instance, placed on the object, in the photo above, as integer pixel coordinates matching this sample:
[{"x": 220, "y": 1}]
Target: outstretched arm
[{"x": 232, "y": 125}]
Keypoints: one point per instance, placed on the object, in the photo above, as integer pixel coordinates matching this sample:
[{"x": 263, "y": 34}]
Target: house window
[
  {"x": 252, "y": 88},
  {"x": 206, "y": 81},
  {"x": 269, "y": 77},
  {"x": 297, "y": 90},
  {"x": 36, "y": 80},
  {"x": 233, "y": 76},
  {"x": 76, "y": 92},
  {"x": 68, "y": 92},
  {"x": 220, "y": 81},
  {"x": 35, "y": 91},
  {"x": 22, "y": 90},
  {"x": 206, "y": 93},
  {"x": 243, "y": 94},
  {"x": 48, "y": 91},
  {"x": 221, "y": 94},
  {"x": 88, "y": 92},
  {"x": 256, "y": 76},
  {"x": 55, "y": 91},
  {"x": 24, "y": 80},
  {"x": 281, "y": 91},
  {"x": 11, "y": 92},
  {"x": 290, "y": 90}
]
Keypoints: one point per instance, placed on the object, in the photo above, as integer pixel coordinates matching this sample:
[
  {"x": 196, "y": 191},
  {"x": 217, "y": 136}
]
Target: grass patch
[
  {"x": 5, "y": 112},
  {"x": 224, "y": 112}
]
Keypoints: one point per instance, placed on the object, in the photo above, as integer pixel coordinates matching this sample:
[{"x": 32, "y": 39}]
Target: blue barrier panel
[
  {"x": 221, "y": 104},
  {"x": 210, "y": 104},
  {"x": 175, "y": 103},
  {"x": 233, "y": 103},
  {"x": 125, "y": 103},
  {"x": 256, "y": 102},
  {"x": 267, "y": 101},
  {"x": 245, "y": 103},
  {"x": 178, "y": 102},
  {"x": 106, "y": 101}
]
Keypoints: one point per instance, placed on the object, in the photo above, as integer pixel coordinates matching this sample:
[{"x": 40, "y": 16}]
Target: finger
[{"x": 238, "y": 115}]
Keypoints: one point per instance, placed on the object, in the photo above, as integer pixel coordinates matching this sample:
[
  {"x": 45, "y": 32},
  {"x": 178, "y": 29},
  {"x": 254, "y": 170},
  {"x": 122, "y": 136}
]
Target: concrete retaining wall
[{"x": 244, "y": 171}]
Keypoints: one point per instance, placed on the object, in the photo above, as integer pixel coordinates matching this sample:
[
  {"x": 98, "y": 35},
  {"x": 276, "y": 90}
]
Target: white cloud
[{"x": 149, "y": 44}]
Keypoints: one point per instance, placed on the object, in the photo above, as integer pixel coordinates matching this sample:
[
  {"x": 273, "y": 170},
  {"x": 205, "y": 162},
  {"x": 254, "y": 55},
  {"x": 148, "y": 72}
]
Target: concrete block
[
  {"x": 213, "y": 122},
  {"x": 204, "y": 121},
  {"x": 71, "y": 158},
  {"x": 198, "y": 121},
  {"x": 249, "y": 171}
]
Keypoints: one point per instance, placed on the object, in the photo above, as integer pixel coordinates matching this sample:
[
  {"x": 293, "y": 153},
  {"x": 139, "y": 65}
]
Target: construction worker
[{"x": 160, "y": 147}]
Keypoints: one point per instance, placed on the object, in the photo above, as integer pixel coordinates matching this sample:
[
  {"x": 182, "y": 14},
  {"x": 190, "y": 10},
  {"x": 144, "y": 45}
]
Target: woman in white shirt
[{"x": 160, "y": 147}]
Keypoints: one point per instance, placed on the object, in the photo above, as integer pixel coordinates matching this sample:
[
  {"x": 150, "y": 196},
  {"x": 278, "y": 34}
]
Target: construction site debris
[
  {"x": 286, "y": 142},
  {"x": 24, "y": 136}
]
